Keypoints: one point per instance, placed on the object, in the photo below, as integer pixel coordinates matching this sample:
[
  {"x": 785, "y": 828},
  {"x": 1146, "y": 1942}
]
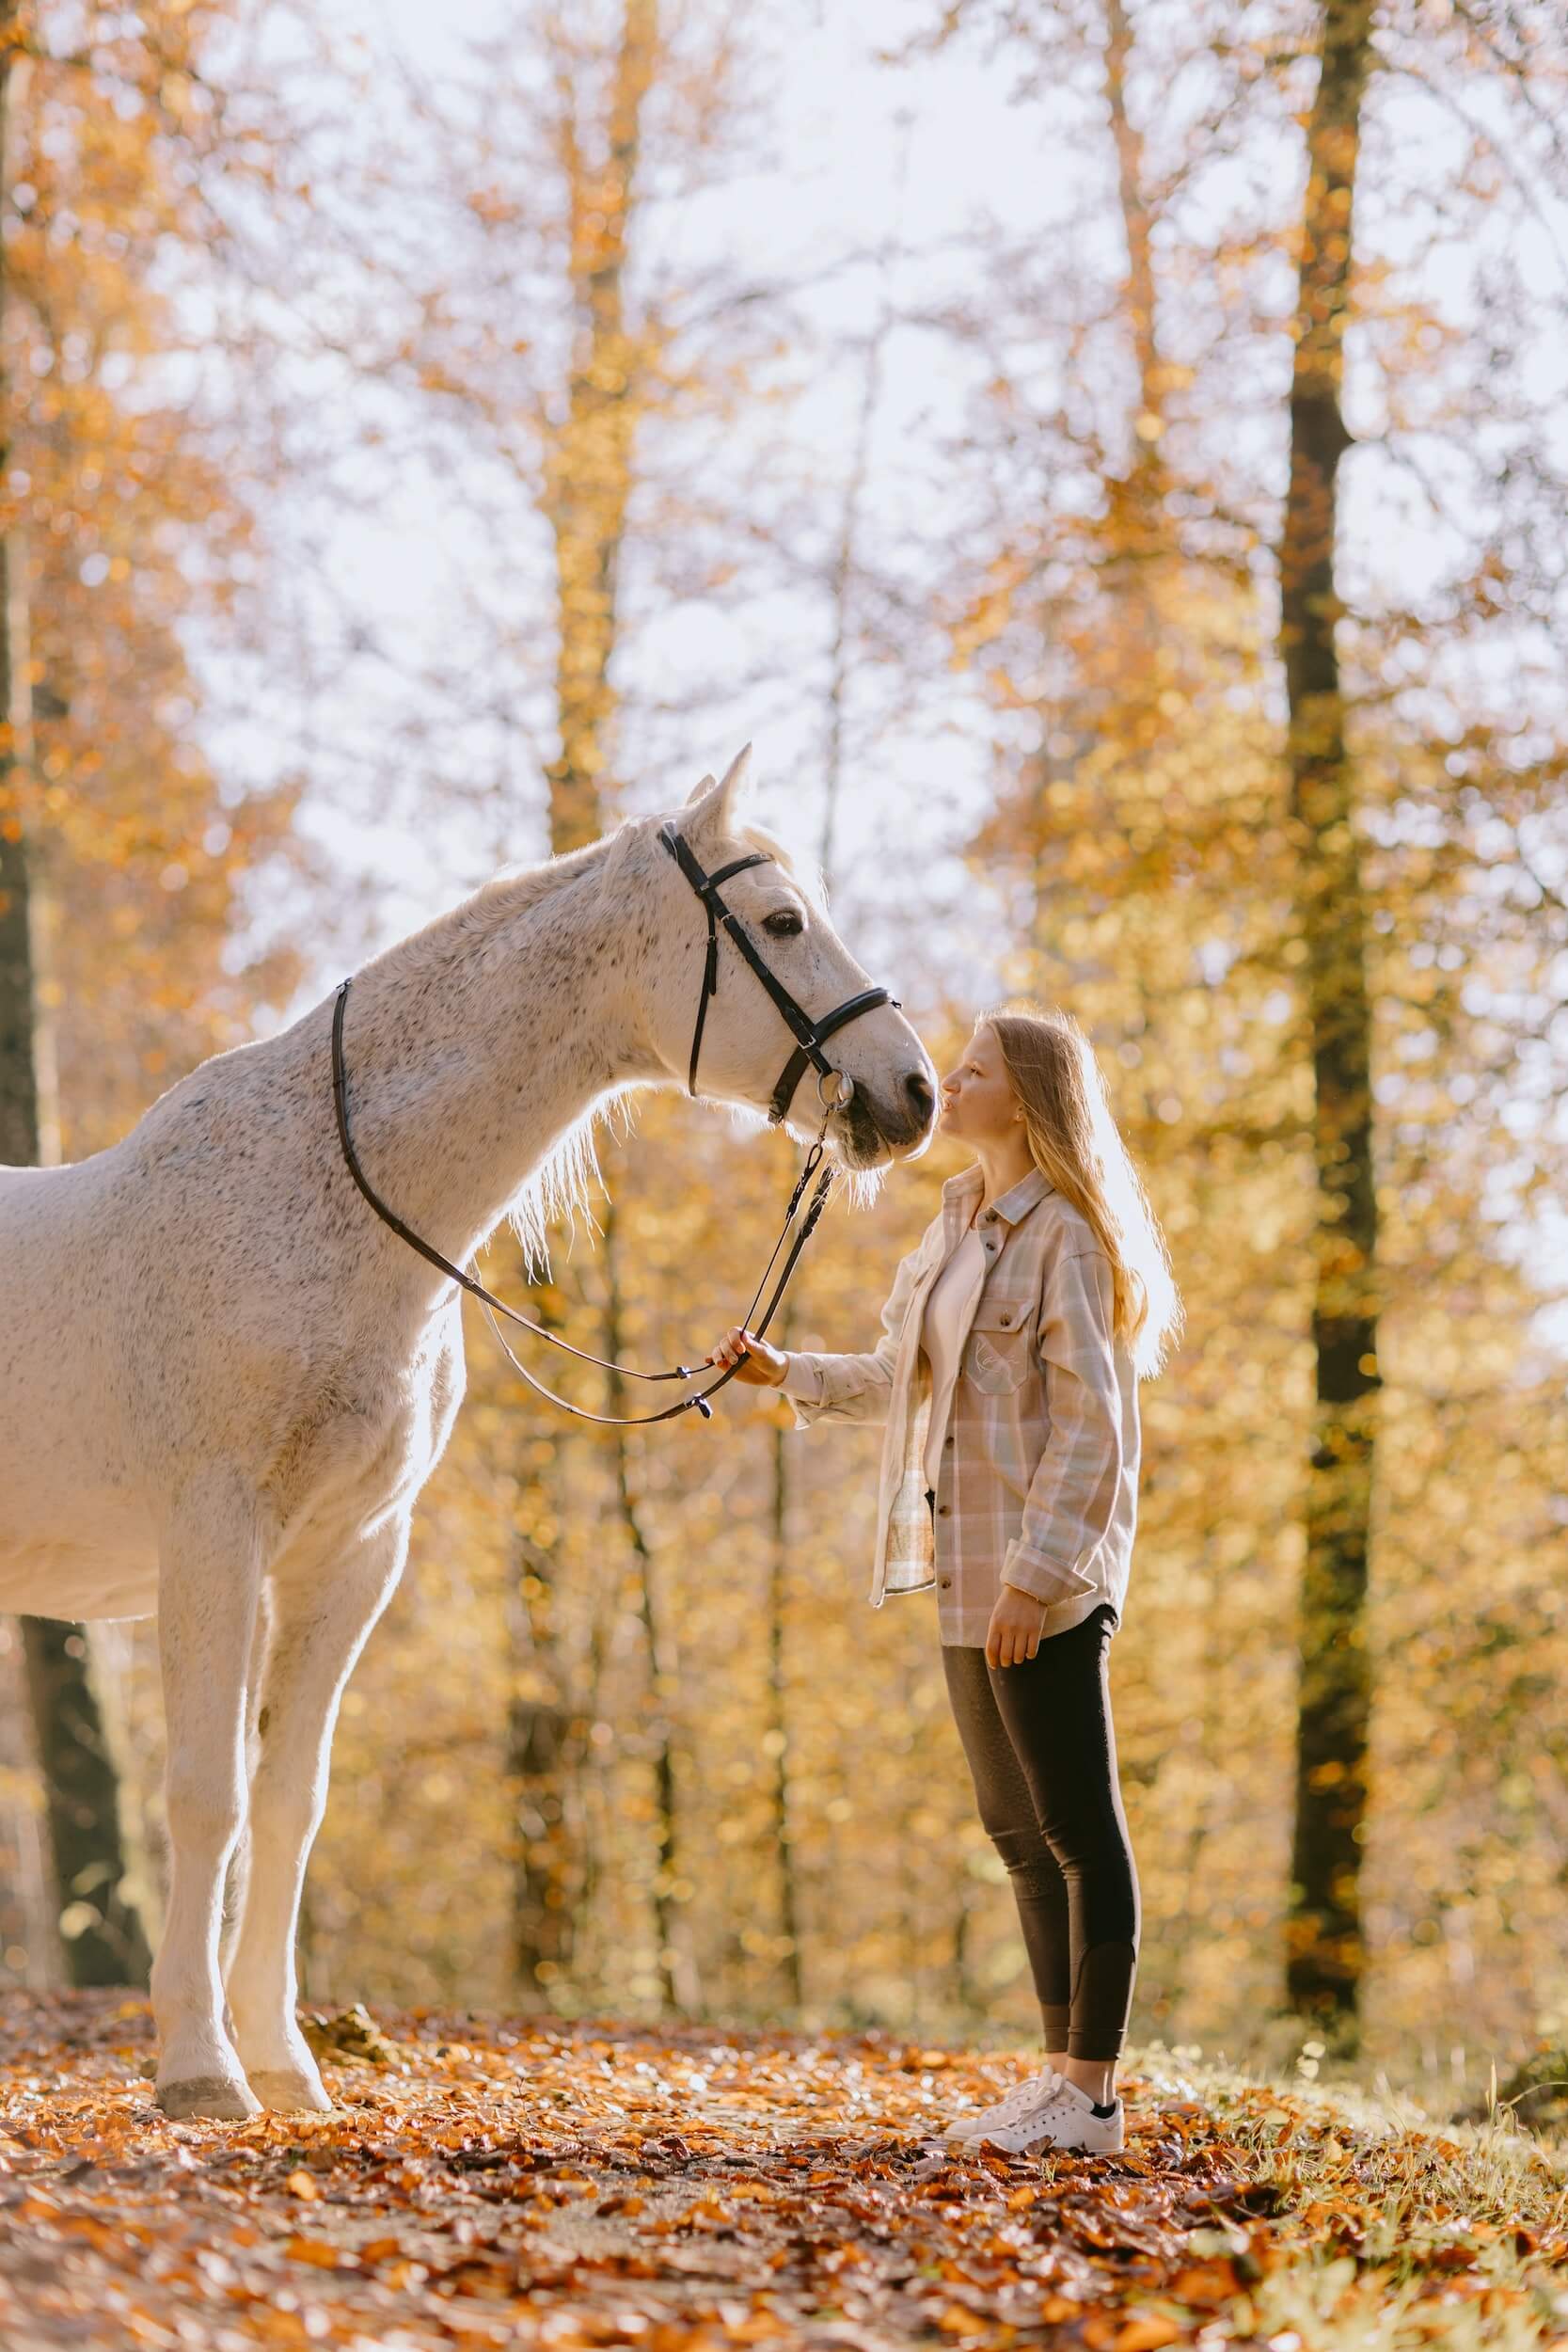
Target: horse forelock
[{"x": 802, "y": 870}]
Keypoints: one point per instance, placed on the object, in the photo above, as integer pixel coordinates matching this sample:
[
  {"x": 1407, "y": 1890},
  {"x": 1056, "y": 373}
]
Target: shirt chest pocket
[{"x": 996, "y": 1353}]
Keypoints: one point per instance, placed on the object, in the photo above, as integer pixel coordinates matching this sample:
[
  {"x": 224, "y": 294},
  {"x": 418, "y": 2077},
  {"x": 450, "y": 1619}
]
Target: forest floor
[{"x": 532, "y": 2182}]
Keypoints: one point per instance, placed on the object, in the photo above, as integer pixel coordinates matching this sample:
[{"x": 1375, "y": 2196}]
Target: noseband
[{"x": 835, "y": 1092}]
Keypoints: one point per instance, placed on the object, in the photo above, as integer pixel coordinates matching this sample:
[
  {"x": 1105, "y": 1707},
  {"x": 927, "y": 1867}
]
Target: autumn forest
[{"x": 1110, "y": 456}]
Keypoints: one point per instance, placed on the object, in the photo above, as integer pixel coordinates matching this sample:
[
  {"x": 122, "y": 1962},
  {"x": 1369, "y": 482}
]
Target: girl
[{"x": 1008, "y": 1376}]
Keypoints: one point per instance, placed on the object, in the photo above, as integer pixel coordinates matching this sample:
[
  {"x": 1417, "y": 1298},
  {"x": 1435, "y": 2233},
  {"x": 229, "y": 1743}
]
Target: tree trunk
[
  {"x": 588, "y": 479},
  {"x": 538, "y": 1729},
  {"x": 1135, "y": 495},
  {"x": 102, "y": 1935},
  {"x": 589, "y": 476},
  {"x": 99, "y": 1927},
  {"x": 777, "y": 1737},
  {"x": 1138, "y": 286},
  {"x": 30, "y": 1949},
  {"x": 20, "y": 1110},
  {"x": 676, "y": 1967},
  {"x": 1325, "y": 1949}
]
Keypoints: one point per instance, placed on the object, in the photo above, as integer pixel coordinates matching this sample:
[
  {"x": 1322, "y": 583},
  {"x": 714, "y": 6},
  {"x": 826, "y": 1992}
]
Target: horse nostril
[{"x": 919, "y": 1089}]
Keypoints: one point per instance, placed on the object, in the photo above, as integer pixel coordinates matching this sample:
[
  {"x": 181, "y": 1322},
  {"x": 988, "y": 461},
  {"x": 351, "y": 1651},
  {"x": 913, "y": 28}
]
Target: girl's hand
[
  {"x": 1014, "y": 1631},
  {"x": 762, "y": 1364}
]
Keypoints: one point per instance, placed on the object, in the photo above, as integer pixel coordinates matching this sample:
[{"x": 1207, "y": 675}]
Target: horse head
[{"x": 746, "y": 1040}]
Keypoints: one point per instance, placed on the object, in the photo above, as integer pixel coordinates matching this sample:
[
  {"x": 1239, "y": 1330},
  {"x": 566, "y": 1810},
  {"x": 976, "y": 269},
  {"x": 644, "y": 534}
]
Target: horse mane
[{"x": 560, "y": 1190}]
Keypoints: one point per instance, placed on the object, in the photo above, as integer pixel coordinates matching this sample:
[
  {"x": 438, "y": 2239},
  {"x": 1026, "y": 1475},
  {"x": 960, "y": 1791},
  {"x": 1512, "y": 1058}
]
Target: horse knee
[
  {"x": 285, "y": 1810},
  {"x": 205, "y": 1816}
]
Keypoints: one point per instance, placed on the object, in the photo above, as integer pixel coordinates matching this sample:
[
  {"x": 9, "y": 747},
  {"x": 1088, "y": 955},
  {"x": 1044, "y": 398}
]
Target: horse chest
[{"x": 370, "y": 1449}]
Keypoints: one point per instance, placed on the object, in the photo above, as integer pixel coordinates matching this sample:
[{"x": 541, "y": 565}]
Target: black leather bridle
[{"x": 810, "y": 1035}]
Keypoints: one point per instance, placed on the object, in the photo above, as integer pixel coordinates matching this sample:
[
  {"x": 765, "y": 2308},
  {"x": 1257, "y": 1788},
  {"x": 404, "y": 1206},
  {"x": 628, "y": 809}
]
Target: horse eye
[{"x": 787, "y": 924}]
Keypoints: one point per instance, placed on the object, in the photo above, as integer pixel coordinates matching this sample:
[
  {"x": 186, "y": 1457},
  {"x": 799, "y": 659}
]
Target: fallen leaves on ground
[{"x": 684, "y": 2190}]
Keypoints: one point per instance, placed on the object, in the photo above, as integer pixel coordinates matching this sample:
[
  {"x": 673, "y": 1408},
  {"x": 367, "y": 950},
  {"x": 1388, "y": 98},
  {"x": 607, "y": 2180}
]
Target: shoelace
[
  {"x": 1061, "y": 2106},
  {"x": 1037, "y": 2090}
]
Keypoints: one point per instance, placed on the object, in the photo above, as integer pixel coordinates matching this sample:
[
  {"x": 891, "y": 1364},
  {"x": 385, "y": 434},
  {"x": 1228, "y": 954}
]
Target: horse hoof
[
  {"x": 218, "y": 2096},
  {"x": 284, "y": 2090}
]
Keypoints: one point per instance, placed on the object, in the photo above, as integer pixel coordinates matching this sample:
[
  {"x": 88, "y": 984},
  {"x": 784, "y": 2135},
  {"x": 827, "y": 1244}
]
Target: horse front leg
[
  {"x": 209, "y": 1579},
  {"x": 318, "y": 1631}
]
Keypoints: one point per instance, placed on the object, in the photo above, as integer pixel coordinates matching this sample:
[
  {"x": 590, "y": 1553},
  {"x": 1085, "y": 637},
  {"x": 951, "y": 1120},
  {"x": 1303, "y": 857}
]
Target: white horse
[{"x": 223, "y": 1381}]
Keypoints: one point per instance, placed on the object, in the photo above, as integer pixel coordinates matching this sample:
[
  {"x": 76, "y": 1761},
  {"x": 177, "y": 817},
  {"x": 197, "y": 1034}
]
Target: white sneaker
[
  {"x": 1032, "y": 2092},
  {"x": 1067, "y": 2118}
]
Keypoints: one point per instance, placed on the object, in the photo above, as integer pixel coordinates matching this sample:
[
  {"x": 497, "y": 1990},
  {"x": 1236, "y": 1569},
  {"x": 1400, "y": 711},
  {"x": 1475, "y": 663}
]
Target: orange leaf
[
  {"x": 1147, "y": 2333},
  {"x": 1204, "y": 2285},
  {"x": 316, "y": 2252}
]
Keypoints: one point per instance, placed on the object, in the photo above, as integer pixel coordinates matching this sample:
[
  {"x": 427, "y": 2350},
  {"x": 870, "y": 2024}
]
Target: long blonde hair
[{"x": 1074, "y": 1143}]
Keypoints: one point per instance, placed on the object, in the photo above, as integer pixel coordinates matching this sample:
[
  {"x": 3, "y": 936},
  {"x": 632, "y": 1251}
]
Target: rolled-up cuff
[
  {"x": 802, "y": 1380},
  {"x": 1045, "y": 1580}
]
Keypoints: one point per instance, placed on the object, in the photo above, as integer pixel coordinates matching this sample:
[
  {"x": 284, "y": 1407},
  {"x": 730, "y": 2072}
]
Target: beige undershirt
[{"x": 947, "y": 1304}]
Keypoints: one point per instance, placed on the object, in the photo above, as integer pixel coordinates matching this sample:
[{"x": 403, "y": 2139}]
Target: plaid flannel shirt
[{"x": 1038, "y": 1481}]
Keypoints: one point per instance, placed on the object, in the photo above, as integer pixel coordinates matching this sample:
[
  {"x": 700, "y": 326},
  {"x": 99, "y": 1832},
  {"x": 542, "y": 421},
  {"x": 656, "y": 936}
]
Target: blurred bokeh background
[{"x": 1110, "y": 458}]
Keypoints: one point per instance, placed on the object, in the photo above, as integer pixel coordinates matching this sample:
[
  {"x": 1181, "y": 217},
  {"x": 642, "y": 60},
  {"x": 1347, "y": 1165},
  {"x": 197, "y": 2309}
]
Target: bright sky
[{"x": 855, "y": 159}]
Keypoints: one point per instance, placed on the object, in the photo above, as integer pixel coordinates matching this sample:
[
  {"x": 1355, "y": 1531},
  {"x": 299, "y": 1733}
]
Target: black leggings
[{"x": 1043, "y": 1755}]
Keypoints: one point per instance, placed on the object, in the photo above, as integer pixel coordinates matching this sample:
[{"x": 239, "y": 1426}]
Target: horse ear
[{"x": 718, "y": 805}]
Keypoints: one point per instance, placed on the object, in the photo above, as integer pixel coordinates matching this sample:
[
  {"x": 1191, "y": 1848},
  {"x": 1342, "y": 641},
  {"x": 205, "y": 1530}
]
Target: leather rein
[{"x": 835, "y": 1089}]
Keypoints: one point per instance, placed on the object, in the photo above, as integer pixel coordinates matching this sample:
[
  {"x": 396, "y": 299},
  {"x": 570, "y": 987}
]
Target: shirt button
[
  {"x": 947, "y": 1583},
  {"x": 1005, "y": 1320},
  {"x": 948, "y": 1439},
  {"x": 941, "y": 1510}
]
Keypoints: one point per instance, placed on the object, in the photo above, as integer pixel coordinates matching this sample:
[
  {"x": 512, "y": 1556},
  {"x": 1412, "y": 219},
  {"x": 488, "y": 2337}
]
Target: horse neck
[{"x": 475, "y": 1047}]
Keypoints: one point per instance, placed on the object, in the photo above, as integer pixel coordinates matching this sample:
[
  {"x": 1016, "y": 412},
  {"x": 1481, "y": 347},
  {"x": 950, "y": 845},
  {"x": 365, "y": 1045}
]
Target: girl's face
[{"x": 978, "y": 1104}]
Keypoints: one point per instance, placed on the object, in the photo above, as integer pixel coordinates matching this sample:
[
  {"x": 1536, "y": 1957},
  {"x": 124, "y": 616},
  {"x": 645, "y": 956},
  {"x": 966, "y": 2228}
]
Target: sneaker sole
[{"x": 1048, "y": 2147}]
